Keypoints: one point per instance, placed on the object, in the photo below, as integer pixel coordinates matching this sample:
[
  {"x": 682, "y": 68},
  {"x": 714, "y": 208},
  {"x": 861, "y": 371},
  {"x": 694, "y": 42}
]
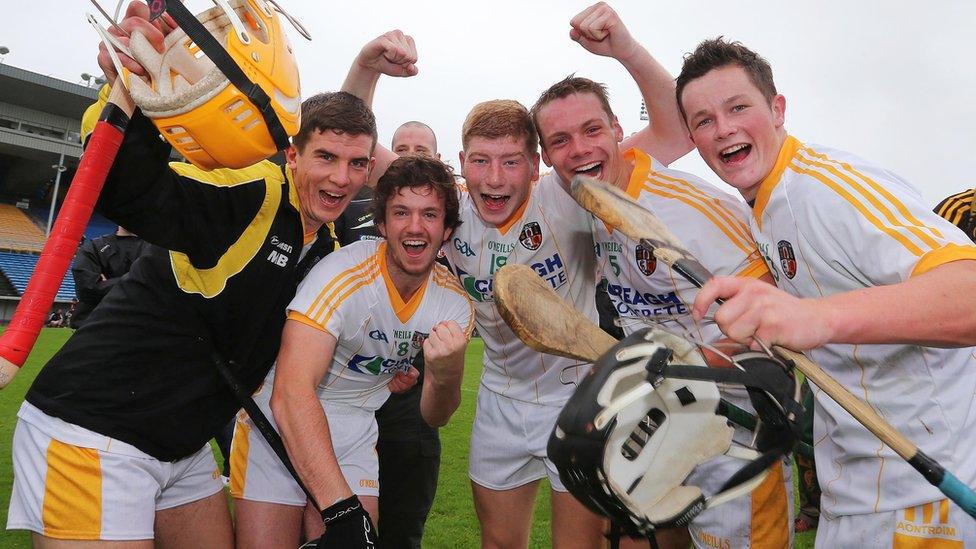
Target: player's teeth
[
  {"x": 734, "y": 149},
  {"x": 587, "y": 167}
]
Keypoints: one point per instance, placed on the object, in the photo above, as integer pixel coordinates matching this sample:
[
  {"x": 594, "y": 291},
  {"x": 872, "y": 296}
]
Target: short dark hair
[
  {"x": 417, "y": 171},
  {"x": 340, "y": 112},
  {"x": 718, "y": 52},
  {"x": 500, "y": 118},
  {"x": 568, "y": 86}
]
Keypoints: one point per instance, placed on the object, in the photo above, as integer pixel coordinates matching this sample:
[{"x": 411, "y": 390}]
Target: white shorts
[
  {"x": 257, "y": 474},
  {"x": 72, "y": 483},
  {"x": 936, "y": 525},
  {"x": 762, "y": 519},
  {"x": 508, "y": 442}
]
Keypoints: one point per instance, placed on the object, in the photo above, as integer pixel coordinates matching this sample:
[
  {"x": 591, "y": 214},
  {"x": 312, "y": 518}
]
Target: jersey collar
[
  {"x": 786, "y": 154},
  {"x": 403, "y": 310}
]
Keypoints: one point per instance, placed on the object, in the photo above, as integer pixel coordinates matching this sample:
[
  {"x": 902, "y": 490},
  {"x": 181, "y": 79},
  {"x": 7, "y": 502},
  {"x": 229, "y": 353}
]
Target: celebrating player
[
  {"x": 874, "y": 284},
  {"x": 360, "y": 318},
  {"x": 580, "y": 134},
  {"x": 509, "y": 217},
  {"x": 111, "y": 443}
]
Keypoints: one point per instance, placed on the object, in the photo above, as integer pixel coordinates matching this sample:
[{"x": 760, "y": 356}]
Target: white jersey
[
  {"x": 551, "y": 234},
  {"x": 827, "y": 222},
  {"x": 712, "y": 225},
  {"x": 350, "y": 295}
]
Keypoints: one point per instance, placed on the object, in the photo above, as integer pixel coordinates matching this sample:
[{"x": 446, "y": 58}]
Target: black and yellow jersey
[
  {"x": 960, "y": 210},
  {"x": 224, "y": 268}
]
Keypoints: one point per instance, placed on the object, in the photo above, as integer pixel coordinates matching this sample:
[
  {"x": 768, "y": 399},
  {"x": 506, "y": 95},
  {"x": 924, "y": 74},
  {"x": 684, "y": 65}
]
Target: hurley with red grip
[{"x": 17, "y": 341}]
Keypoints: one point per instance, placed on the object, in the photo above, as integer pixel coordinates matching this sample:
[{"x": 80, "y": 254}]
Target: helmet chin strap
[{"x": 231, "y": 67}]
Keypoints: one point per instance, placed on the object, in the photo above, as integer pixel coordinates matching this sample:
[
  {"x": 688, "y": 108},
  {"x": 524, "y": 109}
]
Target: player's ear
[
  {"x": 380, "y": 227},
  {"x": 291, "y": 157},
  {"x": 545, "y": 157},
  {"x": 778, "y": 105}
]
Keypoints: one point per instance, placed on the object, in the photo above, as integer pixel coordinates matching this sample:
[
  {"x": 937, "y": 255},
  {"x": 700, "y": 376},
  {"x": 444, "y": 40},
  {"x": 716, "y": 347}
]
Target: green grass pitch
[{"x": 452, "y": 521}]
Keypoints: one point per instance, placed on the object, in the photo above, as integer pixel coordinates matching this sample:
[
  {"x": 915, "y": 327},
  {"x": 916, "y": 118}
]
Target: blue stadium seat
[{"x": 19, "y": 268}]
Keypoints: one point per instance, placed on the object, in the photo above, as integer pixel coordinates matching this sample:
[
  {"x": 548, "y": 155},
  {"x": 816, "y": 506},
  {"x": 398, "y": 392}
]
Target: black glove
[{"x": 347, "y": 526}]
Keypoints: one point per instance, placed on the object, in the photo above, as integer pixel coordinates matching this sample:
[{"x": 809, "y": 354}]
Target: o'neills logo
[
  {"x": 646, "y": 261},
  {"x": 787, "y": 259},
  {"x": 531, "y": 236}
]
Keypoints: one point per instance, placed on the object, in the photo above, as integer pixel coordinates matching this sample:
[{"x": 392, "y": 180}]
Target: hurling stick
[
  {"x": 543, "y": 320},
  {"x": 618, "y": 210},
  {"x": 20, "y": 336}
]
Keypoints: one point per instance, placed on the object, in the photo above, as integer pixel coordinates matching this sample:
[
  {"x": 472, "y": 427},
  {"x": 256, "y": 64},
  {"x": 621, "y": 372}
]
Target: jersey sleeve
[
  {"x": 874, "y": 221},
  {"x": 326, "y": 294},
  {"x": 458, "y": 306},
  {"x": 712, "y": 224}
]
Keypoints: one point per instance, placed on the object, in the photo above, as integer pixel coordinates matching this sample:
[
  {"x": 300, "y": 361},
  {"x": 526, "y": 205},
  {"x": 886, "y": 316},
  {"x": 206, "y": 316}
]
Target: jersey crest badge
[
  {"x": 531, "y": 236},
  {"x": 646, "y": 261},
  {"x": 418, "y": 340},
  {"x": 787, "y": 259}
]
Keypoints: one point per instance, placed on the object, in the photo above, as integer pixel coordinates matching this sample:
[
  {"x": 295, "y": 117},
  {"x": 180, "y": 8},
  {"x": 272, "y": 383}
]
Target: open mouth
[
  {"x": 414, "y": 248},
  {"x": 735, "y": 153},
  {"x": 494, "y": 202},
  {"x": 331, "y": 199},
  {"x": 593, "y": 169}
]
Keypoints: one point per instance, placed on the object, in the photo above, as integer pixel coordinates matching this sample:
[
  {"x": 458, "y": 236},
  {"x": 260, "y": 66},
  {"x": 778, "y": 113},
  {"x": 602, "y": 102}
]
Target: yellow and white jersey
[
  {"x": 712, "y": 225},
  {"x": 827, "y": 222},
  {"x": 551, "y": 234},
  {"x": 349, "y": 294}
]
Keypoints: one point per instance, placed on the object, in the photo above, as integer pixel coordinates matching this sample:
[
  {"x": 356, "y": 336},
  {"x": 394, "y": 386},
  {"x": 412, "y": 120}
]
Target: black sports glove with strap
[{"x": 347, "y": 526}]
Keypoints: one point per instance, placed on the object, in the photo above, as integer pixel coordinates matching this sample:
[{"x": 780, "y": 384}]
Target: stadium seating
[
  {"x": 18, "y": 267},
  {"x": 18, "y": 232},
  {"x": 97, "y": 225}
]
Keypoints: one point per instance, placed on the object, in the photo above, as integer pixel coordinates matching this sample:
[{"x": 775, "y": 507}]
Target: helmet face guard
[
  {"x": 224, "y": 91},
  {"x": 646, "y": 415}
]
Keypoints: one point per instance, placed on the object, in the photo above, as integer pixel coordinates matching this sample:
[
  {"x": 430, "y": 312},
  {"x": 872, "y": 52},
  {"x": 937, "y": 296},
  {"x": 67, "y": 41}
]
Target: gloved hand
[{"x": 347, "y": 526}]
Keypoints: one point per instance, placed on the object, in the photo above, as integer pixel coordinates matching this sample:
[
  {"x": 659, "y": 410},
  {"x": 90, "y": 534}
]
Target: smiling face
[
  {"x": 328, "y": 173},
  {"x": 580, "y": 138},
  {"x": 414, "y": 228},
  {"x": 737, "y": 131},
  {"x": 499, "y": 174}
]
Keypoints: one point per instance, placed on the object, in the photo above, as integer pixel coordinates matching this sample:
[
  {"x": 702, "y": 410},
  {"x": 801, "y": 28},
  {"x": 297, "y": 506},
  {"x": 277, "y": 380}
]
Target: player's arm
[
  {"x": 304, "y": 359},
  {"x": 444, "y": 366},
  {"x": 601, "y": 31},
  {"x": 936, "y": 309},
  {"x": 393, "y": 54}
]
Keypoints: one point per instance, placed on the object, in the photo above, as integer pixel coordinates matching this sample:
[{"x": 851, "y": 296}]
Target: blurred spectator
[{"x": 98, "y": 265}]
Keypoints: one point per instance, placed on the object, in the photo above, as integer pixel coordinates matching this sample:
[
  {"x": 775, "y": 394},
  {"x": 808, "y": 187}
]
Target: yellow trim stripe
[
  {"x": 402, "y": 310},
  {"x": 210, "y": 282},
  {"x": 757, "y": 268},
  {"x": 786, "y": 153},
  {"x": 846, "y": 195},
  {"x": 299, "y": 317},
  {"x": 769, "y": 523},
  {"x": 910, "y": 514},
  {"x": 691, "y": 189},
  {"x": 956, "y": 204},
  {"x": 518, "y": 213},
  {"x": 707, "y": 213},
  {"x": 872, "y": 198},
  {"x": 72, "y": 507},
  {"x": 944, "y": 511},
  {"x": 332, "y": 305},
  {"x": 343, "y": 278},
  {"x": 226, "y": 177},
  {"x": 240, "y": 447},
  {"x": 945, "y": 254}
]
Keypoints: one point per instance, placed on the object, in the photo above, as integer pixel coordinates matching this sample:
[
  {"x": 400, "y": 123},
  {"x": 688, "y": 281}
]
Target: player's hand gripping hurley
[{"x": 618, "y": 210}]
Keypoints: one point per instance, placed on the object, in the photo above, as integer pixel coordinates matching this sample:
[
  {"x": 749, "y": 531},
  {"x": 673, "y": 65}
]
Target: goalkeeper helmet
[
  {"x": 225, "y": 89},
  {"x": 648, "y": 413}
]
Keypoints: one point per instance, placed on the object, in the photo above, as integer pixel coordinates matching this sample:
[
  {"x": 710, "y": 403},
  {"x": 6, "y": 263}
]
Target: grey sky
[{"x": 890, "y": 81}]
